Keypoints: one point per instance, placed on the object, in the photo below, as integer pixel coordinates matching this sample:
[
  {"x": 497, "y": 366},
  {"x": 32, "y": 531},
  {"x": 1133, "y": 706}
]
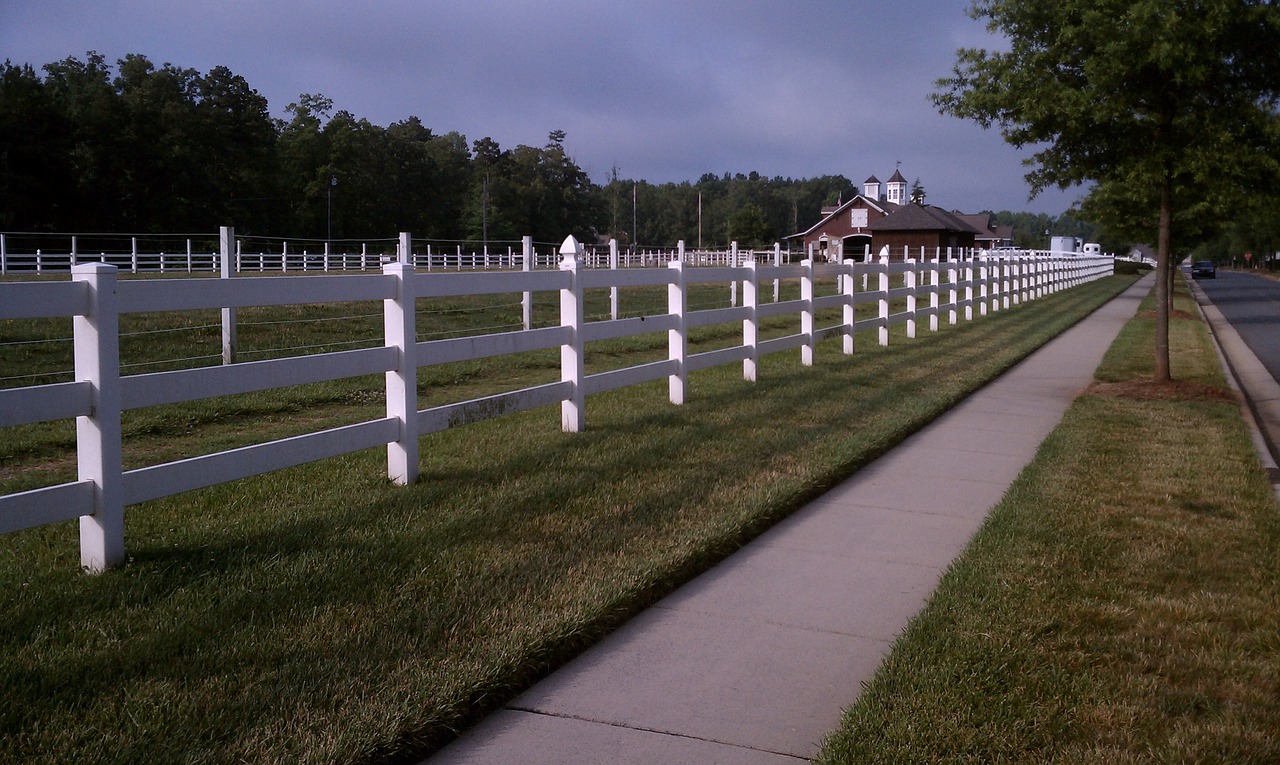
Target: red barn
[{"x": 844, "y": 230}]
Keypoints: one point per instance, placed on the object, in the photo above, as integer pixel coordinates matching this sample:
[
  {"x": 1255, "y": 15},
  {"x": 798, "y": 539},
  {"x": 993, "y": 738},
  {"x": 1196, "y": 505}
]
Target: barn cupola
[
  {"x": 871, "y": 188},
  {"x": 896, "y": 189}
]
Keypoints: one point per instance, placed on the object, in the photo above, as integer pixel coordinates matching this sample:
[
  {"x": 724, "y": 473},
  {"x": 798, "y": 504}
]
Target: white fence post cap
[{"x": 570, "y": 251}]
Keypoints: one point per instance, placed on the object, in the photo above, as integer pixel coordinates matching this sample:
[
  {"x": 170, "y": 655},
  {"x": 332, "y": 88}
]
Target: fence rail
[
  {"x": 39, "y": 253},
  {"x": 933, "y": 290}
]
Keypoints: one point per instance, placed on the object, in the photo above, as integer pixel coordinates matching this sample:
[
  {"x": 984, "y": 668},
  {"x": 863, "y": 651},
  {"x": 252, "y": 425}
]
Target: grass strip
[
  {"x": 320, "y": 614},
  {"x": 1118, "y": 606}
]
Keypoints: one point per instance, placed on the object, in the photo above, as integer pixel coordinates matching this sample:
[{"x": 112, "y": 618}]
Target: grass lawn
[
  {"x": 1121, "y": 605},
  {"x": 321, "y": 614}
]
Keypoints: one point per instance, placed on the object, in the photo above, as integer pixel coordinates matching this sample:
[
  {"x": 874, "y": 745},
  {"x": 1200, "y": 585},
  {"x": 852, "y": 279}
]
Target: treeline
[
  {"x": 1032, "y": 231},
  {"x": 140, "y": 148}
]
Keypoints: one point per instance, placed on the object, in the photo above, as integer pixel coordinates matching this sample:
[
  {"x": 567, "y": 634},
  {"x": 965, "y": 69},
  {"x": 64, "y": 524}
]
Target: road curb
[{"x": 1259, "y": 390}]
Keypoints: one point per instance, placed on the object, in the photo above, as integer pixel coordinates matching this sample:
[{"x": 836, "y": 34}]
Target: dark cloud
[{"x": 665, "y": 91}]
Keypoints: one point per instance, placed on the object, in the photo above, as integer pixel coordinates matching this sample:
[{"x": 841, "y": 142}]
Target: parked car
[{"x": 1205, "y": 269}]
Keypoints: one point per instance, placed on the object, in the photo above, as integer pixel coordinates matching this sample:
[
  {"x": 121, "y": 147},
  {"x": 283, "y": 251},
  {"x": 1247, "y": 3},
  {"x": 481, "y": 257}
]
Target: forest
[{"x": 86, "y": 146}]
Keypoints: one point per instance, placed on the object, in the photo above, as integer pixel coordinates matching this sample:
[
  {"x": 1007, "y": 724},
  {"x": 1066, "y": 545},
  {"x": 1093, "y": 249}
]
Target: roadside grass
[
  {"x": 321, "y": 614},
  {"x": 1118, "y": 606}
]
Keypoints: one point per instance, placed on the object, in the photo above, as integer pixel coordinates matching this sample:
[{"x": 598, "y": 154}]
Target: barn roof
[
  {"x": 828, "y": 214},
  {"x": 922, "y": 218}
]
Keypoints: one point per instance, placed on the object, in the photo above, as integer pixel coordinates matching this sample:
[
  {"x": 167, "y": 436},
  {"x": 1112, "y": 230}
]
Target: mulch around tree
[{"x": 1174, "y": 314}]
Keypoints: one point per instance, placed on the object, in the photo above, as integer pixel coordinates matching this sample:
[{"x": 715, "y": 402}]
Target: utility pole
[{"x": 333, "y": 181}]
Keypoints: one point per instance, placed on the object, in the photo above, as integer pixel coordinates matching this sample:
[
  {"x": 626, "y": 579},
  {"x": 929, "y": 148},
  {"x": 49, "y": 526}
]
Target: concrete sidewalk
[{"x": 754, "y": 661}]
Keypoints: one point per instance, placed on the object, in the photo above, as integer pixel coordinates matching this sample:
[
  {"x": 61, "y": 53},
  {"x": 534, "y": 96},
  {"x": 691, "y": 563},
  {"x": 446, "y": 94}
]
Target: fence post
[
  {"x": 572, "y": 366},
  {"x": 133, "y": 254},
  {"x": 970, "y": 271},
  {"x": 98, "y": 449},
  {"x": 884, "y": 295},
  {"x": 751, "y": 324},
  {"x": 806, "y": 312},
  {"x": 984, "y": 286},
  {"x": 934, "y": 287},
  {"x": 913, "y": 284},
  {"x": 526, "y": 264},
  {"x": 850, "y": 314},
  {"x": 733, "y": 263},
  {"x": 613, "y": 291},
  {"x": 226, "y": 240},
  {"x": 400, "y": 332},
  {"x": 4, "y": 256},
  {"x": 953, "y": 294},
  {"x": 777, "y": 261},
  {"x": 678, "y": 337},
  {"x": 1006, "y": 269}
]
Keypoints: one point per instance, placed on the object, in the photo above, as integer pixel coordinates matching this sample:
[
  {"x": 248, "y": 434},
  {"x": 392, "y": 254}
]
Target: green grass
[
  {"x": 321, "y": 614},
  {"x": 1118, "y": 606}
]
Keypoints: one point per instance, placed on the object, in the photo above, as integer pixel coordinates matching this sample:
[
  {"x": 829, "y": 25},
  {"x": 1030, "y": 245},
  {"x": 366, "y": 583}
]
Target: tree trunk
[{"x": 1164, "y": 280}]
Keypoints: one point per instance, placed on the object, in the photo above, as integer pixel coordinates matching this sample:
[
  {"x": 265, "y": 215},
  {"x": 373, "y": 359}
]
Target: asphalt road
[{"x": 1252, "y": 305}]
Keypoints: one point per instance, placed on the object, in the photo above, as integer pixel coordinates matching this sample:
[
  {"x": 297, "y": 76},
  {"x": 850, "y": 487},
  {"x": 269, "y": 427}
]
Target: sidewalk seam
[{"x": 542, "y": 713}]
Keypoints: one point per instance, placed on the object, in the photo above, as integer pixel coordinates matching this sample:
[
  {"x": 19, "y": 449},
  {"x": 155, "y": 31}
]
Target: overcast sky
[{"x": 664, "y": 91}]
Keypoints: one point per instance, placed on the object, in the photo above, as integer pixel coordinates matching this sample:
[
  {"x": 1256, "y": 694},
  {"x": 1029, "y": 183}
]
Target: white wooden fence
[
  {"x": 188, "y": 254},
  {"x": 933, "y": 291}
]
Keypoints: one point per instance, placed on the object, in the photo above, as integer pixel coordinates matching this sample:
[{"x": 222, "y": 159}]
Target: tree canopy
[
  {"x": 1167, "y": 106},
  {"x": 139, "y": 148}
]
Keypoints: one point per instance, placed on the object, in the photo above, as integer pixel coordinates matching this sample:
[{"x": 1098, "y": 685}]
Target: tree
[
  {"x": 1152, "y": 100},
  {"x": 36, "y": 179},
  {"x": 235, "y": 153},
  {"x": 306, "y": 163},
  {"x": 82, "y": 93},
  {"x": 917, "y": 193}
]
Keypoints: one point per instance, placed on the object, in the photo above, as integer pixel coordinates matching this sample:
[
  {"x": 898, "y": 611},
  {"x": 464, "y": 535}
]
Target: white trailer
[{"x": 1065, "y": 244}]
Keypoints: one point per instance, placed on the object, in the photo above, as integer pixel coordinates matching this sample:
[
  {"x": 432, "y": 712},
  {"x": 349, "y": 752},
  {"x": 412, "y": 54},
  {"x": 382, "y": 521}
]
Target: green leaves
[{"x": 1168, "y": 106}]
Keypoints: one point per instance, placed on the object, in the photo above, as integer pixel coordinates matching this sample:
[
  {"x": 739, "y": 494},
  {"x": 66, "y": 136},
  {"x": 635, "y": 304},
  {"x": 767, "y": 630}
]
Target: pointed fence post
[
  {"x": 970, "y": 273},
  {"x": 400, "y": 332},
  {"x": 572, "y": 365},
  {"x": 98, "y": 447},
  {"x": 751, "y": 324},
  {"x": 678, "y": 336},
  {"x": 883, "y": 303},
  {"x": 1006, "y": 282},
  {"x": 912, "y": 283},
  {"x": 806, "y": 313},
  {"x": 849, "y": 309},
  {"x": 953, "y": 293},
  {"x": 984, "y": 286},
  {"x": 934, "y": 288}
]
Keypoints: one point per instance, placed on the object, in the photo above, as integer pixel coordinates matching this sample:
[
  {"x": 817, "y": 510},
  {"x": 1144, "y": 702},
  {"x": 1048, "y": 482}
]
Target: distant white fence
[
  {"x": 52, "y": 254},
  {"x": 933, "y": 291}
]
